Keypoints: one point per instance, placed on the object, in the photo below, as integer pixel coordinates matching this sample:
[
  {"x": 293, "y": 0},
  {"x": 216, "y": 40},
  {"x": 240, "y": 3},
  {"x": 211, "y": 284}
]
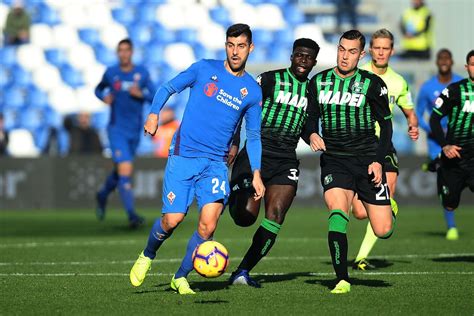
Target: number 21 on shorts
[{"x": 383, "y": 193}]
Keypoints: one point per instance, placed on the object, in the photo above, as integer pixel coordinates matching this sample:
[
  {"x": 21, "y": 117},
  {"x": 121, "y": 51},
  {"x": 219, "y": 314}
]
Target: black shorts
[
  {"x": 350, "y": 173},
  {"x": 454, "y": 175},
  {"x": 391, "y": 161},
  {"x": 275, "y": 170}
]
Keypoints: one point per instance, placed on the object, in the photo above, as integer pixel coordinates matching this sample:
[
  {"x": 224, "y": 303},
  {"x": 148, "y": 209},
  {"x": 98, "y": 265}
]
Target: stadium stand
[{"x": 73, "y": 41}]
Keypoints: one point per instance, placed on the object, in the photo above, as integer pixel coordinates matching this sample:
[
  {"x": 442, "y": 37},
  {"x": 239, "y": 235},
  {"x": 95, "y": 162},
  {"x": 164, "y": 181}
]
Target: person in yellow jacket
[
  {"x": 416, "y": 26},
  {"x": 381, "y": 49}
]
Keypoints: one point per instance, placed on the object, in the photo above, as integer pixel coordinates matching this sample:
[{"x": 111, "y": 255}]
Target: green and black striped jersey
[
  {"x": 457, "y": 102},
  {"x": 284, "y": 111},
  {"x": 348, "y": 109}
]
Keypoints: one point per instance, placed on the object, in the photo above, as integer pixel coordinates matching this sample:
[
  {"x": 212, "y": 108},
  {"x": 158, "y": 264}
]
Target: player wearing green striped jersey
[
  {"x": 456, "y": 171},
  {"x": 381, "y": 49},
  {"x": 284, "y": 114},
  {"x": 349, "y": 101}
]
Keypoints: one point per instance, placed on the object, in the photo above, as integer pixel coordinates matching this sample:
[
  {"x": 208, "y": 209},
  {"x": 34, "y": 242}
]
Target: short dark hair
[
  {"x": 126, "y": 41},
  {"x": 444, "y": 50},
  {"x": 308, "y": 43},
  {"x": 238, "y": 29},
  {"x": 354, "y": 35},
  {"x": 382, "y": 33},
  {"x": 469, "y": 55}
]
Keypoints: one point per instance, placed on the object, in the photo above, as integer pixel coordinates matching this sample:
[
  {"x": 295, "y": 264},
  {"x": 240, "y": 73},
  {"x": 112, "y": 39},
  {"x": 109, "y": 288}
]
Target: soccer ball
[{"x": 210, "y": 259}]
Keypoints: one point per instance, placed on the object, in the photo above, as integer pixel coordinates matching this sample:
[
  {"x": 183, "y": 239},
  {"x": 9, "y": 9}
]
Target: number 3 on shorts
[{"x": 215, "y": 187}]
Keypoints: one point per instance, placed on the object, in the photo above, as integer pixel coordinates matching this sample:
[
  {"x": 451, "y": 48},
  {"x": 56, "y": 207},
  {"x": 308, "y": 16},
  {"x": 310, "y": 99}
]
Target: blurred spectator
[
  {"x": 17, "y": 26},
  {"x": 168, "y": 126},
  {"x": 416, "y": 26},
  {"x": 348, "y": 8},
  {"x": 83, "y": 138},
  {"x": 3, "y": 137}
]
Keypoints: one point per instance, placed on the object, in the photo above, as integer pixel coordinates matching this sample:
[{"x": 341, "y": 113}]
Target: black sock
[
  {"x": 337, "y": 241},
  {"x": 263, "y": 240},
  {"x": 338, "y": 248}
]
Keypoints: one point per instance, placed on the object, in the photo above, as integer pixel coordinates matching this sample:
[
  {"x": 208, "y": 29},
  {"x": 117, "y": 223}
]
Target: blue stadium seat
[
  {"x": 71, "y": 76},
  {"x": 10, "y": 118},
  {"x": 105, "y": 55},
  {"x": 162, "y": 35},
  {"x": 48, "y": 15},
  {"x": 201, "y": 52},
  {"x": 278, "y": 2},
  {"x": 37, "y": 98},
  {"x": 7, "y": 56},
  {"x": 259, "y": 55},
  {"x": 188, "y": 36},
  {"x": 140, "y": 33},
  {"x": 280, "y": 55},
  {"x": 154, "y": 54},
  {"x": 4, "y": 78},
  {"x": 255, "y": 2},
  {"x": 284, "y": 37},
  {"x": 14, "y": 97},
  {"x": 89, "y": 36},
  {"x": 293, "y": 15},
  {"x": 56, "y": 57},
  {"x": 124, "y": 15},
  {"x": 21, "y": 77},
  {"x": 262, "y": 37},
  {"x": 146, "y": 13},
  {"x": 220, "y": 15},
  {"x": 32, "y": 118}
]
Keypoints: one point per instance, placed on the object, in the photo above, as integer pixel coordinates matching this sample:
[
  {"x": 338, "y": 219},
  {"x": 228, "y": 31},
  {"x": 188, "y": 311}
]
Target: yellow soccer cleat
[
  {"x": 363, "y": 265},
  {"x": 140, "y": 269},
  {"x": 452, "y": 234},
  {"x": 181, "y": 286},
  {"x": 342, "y": 287}
]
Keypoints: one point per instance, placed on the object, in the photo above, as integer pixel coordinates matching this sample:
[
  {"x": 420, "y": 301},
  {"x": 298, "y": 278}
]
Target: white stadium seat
[
  {"x": 42, "y": 36},
  {"x": 47, "y": 78},
  {"x": 63, "y": 100},
  {"x": 31, "y": 57},
  {"x": 21, "y": 144},
  {"x": 179, "y": 55}
]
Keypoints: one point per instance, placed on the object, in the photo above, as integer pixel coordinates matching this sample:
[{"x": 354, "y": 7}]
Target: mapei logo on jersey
[
  {"x": 243, "y": 92},
  {"x": 357, "y": 87},
  {"x": 293, "y": 100},
  {"x": 171, "y": 196},
  {"x": 210, "y": 89},
  {"x": 325, "y": 83},
  {"x": 383, "y": 91},
  {"x": 346, "y": 98},
  {"x": 468, "y": 106},
  {"x": 285, "y": 84}
]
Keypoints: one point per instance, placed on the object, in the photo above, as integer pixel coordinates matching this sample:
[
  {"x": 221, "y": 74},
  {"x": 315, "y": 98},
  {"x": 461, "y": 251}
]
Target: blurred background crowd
[{"x": 54, "y": 53}]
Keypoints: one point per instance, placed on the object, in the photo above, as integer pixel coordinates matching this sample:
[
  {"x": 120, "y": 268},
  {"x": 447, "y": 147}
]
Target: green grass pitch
[{"x": 65, "y": 262}]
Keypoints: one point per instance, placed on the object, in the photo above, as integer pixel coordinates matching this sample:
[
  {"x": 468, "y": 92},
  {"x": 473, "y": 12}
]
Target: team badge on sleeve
[
  {"x": 438, "y": 103},
  {"x": 171, "y": 196},
  {"x": 259, "y": 80}
]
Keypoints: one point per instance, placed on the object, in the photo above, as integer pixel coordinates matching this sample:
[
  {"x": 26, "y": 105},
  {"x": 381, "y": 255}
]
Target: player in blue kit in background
[
  {"x": 125, "y": 87},
  {"x": 429, "y": 92},
  {"x": 221, "y": 94}
]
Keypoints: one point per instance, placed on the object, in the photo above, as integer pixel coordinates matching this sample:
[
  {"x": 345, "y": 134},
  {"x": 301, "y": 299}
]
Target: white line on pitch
[
  {"x": 171, "y": 260},
  {"x": 259, "y": 274},
  {"x": 139, "y": 242}
]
